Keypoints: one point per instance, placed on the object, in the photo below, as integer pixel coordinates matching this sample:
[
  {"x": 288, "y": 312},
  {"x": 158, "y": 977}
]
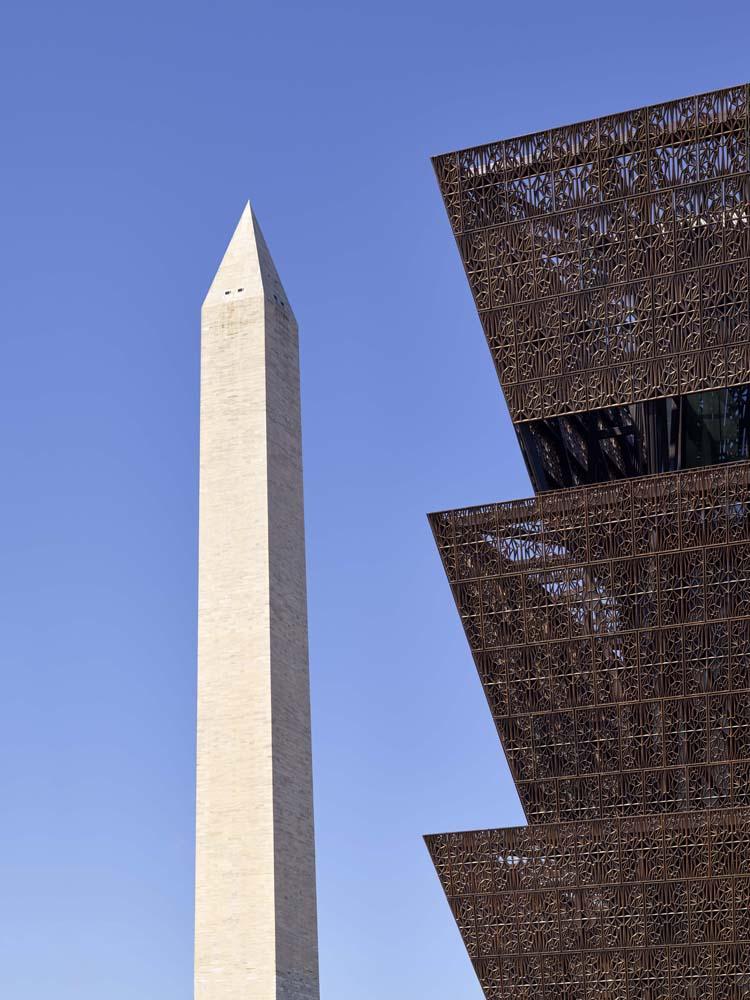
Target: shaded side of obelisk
[{"x": 256, "y": 929}]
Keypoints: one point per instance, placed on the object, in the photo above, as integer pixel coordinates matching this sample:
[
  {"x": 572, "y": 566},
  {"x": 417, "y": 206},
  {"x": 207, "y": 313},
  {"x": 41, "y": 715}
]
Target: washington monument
[{"x": 255, "y": 921}]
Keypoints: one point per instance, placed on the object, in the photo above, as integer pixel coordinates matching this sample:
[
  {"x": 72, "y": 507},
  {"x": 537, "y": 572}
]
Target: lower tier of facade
[{"x": 653, "y": 908}]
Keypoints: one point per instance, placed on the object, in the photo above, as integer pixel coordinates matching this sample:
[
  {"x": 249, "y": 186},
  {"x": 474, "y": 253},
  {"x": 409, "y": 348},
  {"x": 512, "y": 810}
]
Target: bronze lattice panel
[
  {"x": 610, "y": 624},
  {"x": 657, "y": 907},
  {"x": 611, "y": 630},
  {"x": 609, "y": 259}
]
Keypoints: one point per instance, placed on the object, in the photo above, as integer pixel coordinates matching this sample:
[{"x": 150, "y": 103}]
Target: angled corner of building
[
  {"x": 609, "y": 615},
  {"x": 255, "y": 924}
]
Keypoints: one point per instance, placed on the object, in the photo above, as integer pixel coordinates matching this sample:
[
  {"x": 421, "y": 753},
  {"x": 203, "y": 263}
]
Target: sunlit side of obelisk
[{"x": 255, "y": 923}]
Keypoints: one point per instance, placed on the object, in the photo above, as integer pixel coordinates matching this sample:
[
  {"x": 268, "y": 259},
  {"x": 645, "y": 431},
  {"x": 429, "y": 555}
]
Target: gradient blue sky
[{"x": 132, "y": 135}]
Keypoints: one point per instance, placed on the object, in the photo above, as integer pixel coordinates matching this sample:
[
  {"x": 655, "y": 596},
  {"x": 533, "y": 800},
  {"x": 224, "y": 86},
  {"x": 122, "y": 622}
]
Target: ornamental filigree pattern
[
  {"x": 611, "y": 631},
  {"x": 579, "y": 241},
  {"x": 653, "y": 907},
  {"x": 610, "y": 623}
]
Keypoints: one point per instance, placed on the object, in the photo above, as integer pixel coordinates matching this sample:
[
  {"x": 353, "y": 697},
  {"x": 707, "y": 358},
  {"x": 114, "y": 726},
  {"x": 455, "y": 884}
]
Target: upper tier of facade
[{"x": 609, "y": 259}]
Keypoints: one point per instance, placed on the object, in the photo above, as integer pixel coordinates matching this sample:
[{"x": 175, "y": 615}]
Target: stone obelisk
[{"x": 255, "y": 923}]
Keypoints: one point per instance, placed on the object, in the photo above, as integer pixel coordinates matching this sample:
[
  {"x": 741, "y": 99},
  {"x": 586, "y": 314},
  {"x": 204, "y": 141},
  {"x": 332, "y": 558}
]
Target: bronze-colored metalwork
[
  {"x": 611, "y": 629},
  {"x": 632, "y": 909},
  {"x": 610, "y": 623},
  {"x": 609, "y": 259}
]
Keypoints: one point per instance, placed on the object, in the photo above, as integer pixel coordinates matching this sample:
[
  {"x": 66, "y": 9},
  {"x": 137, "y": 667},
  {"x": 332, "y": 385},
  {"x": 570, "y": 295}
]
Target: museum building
[{"x": 609, "y": 615}]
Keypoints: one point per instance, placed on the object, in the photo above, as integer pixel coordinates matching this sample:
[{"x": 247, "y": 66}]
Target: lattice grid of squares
[
  {"x": 611, "y": 630},
  {"x": 657, "y": 907},
  {"x": 610, "y": 625},
  {"x": 609, "y": 259}
]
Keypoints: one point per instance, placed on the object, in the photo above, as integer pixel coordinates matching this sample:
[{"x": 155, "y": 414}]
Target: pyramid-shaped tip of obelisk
[{"x": 247, "y": 269}]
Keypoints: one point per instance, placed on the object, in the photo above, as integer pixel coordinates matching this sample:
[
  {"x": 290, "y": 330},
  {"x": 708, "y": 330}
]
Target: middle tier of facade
[{"x": 610, "y": 626}]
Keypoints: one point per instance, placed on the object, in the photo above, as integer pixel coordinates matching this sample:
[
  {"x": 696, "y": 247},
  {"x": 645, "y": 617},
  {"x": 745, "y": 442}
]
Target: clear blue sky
[{"x": 132, "y": 135}]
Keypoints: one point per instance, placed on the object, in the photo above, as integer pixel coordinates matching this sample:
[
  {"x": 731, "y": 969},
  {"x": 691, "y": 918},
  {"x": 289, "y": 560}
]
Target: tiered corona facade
[{"x": 609, "y": 616}]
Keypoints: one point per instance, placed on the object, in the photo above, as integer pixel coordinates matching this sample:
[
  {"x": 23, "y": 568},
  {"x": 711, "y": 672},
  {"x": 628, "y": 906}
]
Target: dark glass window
[
  {"x": 715, "y": 426},
  {"x": 658, "y": 435}
]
